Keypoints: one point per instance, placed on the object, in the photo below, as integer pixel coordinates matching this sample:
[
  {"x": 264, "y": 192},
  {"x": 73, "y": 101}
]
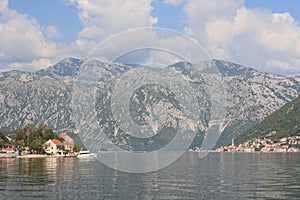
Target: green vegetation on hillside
[{"x": 282, "y": 123}]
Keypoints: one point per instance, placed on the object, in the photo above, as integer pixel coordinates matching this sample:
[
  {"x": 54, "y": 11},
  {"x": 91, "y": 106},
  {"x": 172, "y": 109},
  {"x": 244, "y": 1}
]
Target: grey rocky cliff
[{"x": 46, "y": 95}]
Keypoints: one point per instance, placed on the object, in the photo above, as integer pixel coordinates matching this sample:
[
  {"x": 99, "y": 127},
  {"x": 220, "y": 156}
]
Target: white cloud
[
  {"x": 100, "y": 20},
  {"x": 145, "y": 46},
  {"x": 3, "y": 5},
  {"x": 174, "y": 2},
  {"x": 226, "y": 28},
  {"x": 253, "y": 37},
  {"x": 34, "y": 65},
  {"x": 52, "y": 32},
  {"x": 22, "y": 40},
  {"x": 104, "y": 18}
]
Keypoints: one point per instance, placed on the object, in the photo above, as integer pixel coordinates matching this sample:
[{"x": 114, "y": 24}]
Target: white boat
[{"x": 85, "y": 154}]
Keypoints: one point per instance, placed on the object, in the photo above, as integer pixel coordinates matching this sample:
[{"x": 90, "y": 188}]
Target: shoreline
[
  {"x": 34, "y": 156},
  {"x": 63, "y": 156}
]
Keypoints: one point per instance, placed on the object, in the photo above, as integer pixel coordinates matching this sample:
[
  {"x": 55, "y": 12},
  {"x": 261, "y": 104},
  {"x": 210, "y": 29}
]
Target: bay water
[{"x": 217, "y": 176}]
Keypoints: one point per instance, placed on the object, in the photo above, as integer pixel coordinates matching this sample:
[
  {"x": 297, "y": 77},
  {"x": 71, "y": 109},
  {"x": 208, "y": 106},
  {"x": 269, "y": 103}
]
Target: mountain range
[{"x": 45, "y": 96}]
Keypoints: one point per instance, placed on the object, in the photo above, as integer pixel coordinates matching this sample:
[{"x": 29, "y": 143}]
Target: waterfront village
[
  {"x": 286, "y": 144},
  {"x": 63, "y": 145}
]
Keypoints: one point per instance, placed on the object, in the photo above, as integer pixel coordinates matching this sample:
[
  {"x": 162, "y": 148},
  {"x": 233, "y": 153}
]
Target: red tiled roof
[
  {"x": 57, "y": 142},
  {"x": 62, "y": 135}
]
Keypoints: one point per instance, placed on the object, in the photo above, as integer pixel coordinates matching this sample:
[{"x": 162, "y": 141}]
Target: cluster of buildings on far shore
[{"x": 286, "y": 144}]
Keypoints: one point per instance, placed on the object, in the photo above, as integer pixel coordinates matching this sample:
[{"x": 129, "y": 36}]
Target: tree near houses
[
  {"x": 32, "y": 137},
  {"x": 4, "y": 141},
  {"x": 77, "y": 148}
]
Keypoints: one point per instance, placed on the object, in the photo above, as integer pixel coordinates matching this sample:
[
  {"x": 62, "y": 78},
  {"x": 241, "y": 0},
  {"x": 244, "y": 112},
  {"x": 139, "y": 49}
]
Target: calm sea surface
[{"x": 218, "y": 176}]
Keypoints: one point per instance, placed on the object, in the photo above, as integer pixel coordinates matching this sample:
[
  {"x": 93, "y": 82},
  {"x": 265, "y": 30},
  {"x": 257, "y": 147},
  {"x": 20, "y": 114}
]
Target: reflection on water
[{"x": 218, "y": 176}]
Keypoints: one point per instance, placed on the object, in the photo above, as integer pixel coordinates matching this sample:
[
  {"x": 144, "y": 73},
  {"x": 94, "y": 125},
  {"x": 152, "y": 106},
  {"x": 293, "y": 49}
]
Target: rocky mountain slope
[
  {"x": 45, "y": 96},
  {"x": 251, "y": 96},
  {"x": 284, "y": 122},
  {"x": 30, "y": 98}
]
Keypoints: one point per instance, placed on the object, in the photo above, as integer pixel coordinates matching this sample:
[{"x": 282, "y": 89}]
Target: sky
[{"x": 263, "y": 34}]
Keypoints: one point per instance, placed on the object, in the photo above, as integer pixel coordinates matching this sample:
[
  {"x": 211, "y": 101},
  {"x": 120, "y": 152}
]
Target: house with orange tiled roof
[
  {"x": 54, "y": 147},
  {"x": 67, "y": 141}
]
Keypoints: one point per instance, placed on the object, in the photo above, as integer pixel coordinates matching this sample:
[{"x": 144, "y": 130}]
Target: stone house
[
  {"x": 54, "y": 147},
  {"x": 68, "y": 142}
]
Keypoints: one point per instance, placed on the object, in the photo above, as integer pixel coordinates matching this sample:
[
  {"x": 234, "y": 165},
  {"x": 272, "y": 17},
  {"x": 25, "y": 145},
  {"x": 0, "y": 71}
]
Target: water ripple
[{"x": 218, "y": 176}]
